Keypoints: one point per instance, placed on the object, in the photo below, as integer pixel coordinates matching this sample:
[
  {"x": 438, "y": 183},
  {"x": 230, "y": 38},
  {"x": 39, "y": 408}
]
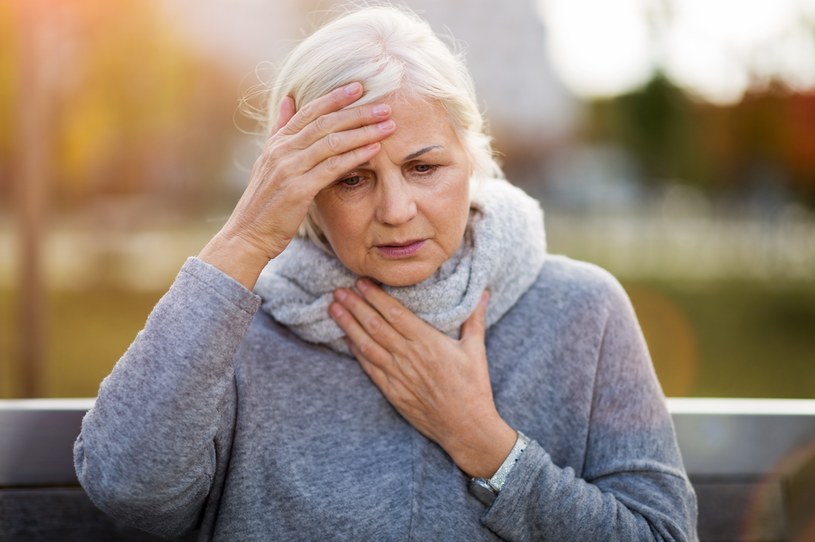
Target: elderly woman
[{"x": 411, "y": 363}]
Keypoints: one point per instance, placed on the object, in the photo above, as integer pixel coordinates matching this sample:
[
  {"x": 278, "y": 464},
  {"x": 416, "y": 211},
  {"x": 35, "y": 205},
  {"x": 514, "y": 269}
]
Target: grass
[
  {"x": 731, "y": 339},
  {"x": 728, "y": 339}
]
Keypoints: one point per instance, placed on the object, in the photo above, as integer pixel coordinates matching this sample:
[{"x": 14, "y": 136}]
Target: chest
[{"x": 314, "y": 438}]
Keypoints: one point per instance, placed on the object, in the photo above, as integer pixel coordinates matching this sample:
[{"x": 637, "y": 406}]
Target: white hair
[{"x": 388, "y": 50}]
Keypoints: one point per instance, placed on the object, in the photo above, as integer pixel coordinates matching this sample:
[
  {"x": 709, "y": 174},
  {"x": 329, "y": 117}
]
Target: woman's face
[{"x": 397, "y": 217}]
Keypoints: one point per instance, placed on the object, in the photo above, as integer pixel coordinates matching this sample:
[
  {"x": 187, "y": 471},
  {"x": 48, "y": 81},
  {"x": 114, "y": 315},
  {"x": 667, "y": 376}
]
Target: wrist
[
  {"x": 482, "y": 450},
  {"x": 234, "y": 257}
]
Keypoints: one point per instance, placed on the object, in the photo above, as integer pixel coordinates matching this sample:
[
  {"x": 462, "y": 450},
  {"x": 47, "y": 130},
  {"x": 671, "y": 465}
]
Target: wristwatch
[{"x": 486, "y": 489}]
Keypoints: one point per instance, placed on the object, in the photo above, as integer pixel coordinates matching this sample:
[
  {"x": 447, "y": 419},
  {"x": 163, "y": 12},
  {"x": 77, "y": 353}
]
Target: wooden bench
[{"x": 752, "y": 463}]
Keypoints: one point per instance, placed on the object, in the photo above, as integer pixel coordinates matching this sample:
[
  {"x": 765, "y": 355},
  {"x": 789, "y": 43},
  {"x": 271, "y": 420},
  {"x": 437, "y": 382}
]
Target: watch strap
[
  {"x": 498, "y": 479},
  {"x": 486, "y": 490}
]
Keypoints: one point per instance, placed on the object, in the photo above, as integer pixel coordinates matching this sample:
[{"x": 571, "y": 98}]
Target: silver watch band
[
  {"x": 486, "y": 490},
  {"x": 498, "y": 479}
]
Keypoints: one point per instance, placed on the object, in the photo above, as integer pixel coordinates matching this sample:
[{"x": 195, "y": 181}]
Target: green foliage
[
  {"x": 728, "y": 339},
  {"x": 658, "y": 124},
  {"x": 719, "y": 148}
]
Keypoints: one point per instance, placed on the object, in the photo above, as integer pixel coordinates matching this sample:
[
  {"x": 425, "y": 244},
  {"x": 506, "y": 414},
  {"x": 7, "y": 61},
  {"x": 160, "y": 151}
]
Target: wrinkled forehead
[{"x": 427, "y": 116}]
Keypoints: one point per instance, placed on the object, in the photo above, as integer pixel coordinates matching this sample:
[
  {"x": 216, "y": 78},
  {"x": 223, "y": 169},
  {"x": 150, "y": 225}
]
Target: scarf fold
[{"x": 503, "y": 250}]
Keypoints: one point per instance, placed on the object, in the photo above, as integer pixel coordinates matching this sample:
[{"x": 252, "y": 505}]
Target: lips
[{"x": 400, "y": 249}]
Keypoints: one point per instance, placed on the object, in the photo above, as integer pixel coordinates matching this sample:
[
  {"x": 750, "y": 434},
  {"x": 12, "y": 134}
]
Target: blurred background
[{"x": 670, "y": 141}]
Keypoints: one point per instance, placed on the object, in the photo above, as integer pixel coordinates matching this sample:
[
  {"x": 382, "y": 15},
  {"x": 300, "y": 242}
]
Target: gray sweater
[{"x": 219, "y": 418}]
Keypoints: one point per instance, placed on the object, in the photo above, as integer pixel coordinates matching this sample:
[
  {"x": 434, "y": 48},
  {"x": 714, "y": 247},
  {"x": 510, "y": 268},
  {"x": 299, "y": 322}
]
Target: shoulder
[
  {"x": 571, "y": 302},
  {"x": 567, "y": 282}
]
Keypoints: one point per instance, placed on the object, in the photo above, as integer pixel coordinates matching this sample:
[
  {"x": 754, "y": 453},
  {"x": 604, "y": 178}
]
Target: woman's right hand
[{"x": 310, "y": 149}]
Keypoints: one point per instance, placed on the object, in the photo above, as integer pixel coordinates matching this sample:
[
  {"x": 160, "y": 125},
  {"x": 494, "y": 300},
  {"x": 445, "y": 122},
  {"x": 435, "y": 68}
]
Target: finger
[
  {"x": 345, "y": 119},
  {"x": 332, "y": 168},
  {"x": 371, "y": 320},
  {"x": 285, "y": 113},
  {"x": 331, "y": 128},
  {"x": 333, "y": 101},
  {"x": 378, "y": 376},
  {"x": 357, "y": 335},
  {"x": 326, "y": 150},
  {"x": 339, "y": 131},
  {"x": 474, "y": 328},
  {"x": 401, "y": 319},
  {"x": 329, "y": 157},
  {"x": 395, "y": 391},
  {"x": 345, "y": 130}
]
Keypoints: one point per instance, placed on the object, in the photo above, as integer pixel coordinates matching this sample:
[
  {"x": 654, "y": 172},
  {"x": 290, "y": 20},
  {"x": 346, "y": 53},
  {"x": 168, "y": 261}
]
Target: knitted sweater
[{"x": 218, "y": 418}]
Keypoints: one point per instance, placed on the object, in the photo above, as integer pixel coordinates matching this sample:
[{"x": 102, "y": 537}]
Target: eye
[
  {"x": 351, "y": 181},
  {"x": 425, "y": 168}
]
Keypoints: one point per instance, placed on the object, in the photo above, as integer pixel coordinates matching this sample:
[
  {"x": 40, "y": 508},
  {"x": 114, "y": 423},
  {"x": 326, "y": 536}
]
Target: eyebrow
[
  {"x": 420, "y": 152},
  {"x": 412, "y": 155}
]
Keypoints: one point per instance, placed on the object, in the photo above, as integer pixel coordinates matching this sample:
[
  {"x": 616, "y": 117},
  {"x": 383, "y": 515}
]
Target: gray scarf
[{"x": 503, "y": 251}]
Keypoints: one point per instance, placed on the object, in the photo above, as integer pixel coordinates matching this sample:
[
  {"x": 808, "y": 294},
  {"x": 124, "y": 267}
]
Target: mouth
[{"x": 400, "y": 250}]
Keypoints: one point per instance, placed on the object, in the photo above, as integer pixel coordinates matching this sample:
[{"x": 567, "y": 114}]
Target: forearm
[
  {"x": 147, "y": 445},
  {"x": 542, "y": 501}
]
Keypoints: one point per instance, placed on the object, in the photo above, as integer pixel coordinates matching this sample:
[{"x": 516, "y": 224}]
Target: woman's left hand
[{"x": 440, "y": 385}]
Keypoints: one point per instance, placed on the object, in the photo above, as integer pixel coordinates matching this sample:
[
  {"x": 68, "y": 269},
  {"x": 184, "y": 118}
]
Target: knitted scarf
[{"x": 503, "y": 250}]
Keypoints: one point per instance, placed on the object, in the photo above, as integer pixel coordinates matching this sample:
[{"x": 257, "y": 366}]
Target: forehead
[{"x": 420, "y": 122}]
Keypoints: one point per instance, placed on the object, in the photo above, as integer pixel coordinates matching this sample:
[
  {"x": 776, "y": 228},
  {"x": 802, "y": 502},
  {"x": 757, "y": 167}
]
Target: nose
[{"x": 396, "y": 203}]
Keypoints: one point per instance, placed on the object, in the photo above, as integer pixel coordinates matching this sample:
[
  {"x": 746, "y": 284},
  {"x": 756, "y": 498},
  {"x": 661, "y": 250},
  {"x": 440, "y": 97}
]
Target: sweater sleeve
[
  {"x": 148, "y": 449},
  {"x": 633, "y": 485}
]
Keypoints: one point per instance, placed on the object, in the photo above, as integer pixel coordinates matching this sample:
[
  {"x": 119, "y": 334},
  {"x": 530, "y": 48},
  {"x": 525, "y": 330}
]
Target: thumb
[
  {"x": 285, "y": 113},
  {"x": 473, "y": 328}
]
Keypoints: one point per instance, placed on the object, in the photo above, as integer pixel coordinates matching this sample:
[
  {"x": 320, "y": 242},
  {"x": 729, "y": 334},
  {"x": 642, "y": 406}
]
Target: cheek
[
  {"x": 342, "y": 226},
  {"x": 453, "y": 214},
  {"x": 329, "y": 214}
]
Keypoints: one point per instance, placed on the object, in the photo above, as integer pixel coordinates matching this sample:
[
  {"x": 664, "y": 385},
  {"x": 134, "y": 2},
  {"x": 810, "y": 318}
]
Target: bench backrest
[{"x": 752, "y": 463}]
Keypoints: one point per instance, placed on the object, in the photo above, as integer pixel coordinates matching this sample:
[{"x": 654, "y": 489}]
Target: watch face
[{"x": 482, "y": 490}]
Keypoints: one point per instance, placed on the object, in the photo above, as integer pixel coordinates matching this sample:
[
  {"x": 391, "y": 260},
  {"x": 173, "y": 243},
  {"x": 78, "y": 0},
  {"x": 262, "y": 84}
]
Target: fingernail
[
  {"x": 363, "y": 285},
  {"x": 353, "y": 88},
  {"x": 382, "y": 110},
  {"x": 386, "y": 126},
  {"x": 340, "y": 294}
]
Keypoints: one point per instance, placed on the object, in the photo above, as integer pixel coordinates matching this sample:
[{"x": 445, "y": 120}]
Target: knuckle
[
  {"x": 323, "y": 124},
  {"x": 272, "y": 154},
  {"x": 365, "y": 347},
  {"x": 395, "y": 315},
  {"x": 374, "y": 324},
  {"x": 332, "y": 141},
  {"x": 308, "y": 110},
  {"x": 282, "y": 166},
  {"x": 362, "y": 114},
  {"x": 333, "y": 164}
]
